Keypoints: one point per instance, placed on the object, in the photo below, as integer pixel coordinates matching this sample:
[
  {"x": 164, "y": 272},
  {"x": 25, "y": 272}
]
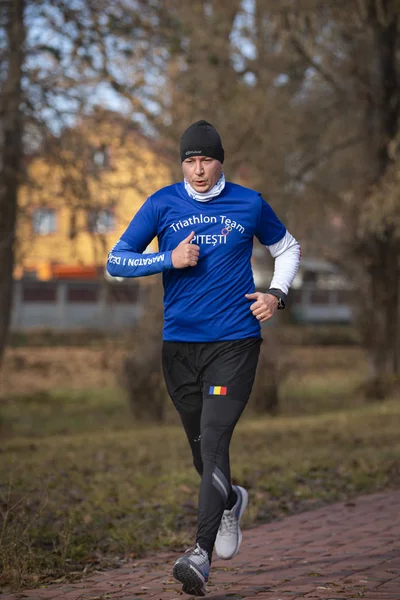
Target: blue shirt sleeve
[
  {"x": 270, "y": 229},
  {"x": 126, "y": 259}
]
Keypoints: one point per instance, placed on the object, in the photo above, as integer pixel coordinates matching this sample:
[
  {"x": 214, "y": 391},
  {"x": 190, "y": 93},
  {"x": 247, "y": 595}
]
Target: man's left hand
[{"x": 264, "y": 307}]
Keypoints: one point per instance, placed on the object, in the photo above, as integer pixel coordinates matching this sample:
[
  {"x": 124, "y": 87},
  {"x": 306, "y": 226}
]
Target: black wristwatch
[{"x": 280, "y": 295}]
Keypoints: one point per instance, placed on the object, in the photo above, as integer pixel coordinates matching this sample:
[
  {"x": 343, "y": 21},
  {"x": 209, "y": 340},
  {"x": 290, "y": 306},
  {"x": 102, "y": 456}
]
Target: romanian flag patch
[{"x": 218, "y": 390}]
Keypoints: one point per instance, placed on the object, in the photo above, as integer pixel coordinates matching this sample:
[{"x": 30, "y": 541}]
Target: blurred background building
[{"x": 73, "y": 210}]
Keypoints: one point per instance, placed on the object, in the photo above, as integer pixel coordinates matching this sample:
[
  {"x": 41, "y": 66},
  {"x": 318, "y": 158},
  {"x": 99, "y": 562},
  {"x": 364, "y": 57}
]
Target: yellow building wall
[{"x": 72, "y": 186}]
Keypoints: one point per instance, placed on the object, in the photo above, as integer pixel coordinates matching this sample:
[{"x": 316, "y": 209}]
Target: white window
[
  {"x": 44, "y": 221},
  {"x": 101, "y": 157},
  {"x": 101, "y": 221}
]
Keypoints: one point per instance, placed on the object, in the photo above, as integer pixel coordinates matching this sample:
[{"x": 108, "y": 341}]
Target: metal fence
[
  {"x": 312, "y": 304},
  {"x": 67, "y": 305}
]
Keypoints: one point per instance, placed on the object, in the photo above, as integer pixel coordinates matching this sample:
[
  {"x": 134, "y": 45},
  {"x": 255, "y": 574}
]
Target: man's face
[{"x": 202, "y": 172}]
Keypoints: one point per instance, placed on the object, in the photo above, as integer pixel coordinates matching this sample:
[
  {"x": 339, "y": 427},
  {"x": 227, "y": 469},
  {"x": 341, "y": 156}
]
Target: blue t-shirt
[{"x": 205, "y": 303}]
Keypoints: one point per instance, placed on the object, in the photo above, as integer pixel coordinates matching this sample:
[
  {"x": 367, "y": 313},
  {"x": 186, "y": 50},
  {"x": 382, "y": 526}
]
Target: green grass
[
  {"x": 63, "y": 411},
  {"x": 81, "y": 486},
  {"x": 320, "y": 393}
]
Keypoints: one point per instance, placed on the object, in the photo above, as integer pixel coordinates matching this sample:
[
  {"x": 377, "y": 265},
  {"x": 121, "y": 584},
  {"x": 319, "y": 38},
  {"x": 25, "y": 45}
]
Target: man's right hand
[{"x": 185, "y": 254}]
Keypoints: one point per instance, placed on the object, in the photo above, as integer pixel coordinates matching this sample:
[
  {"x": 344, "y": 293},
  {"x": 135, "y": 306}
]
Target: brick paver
[{"x": 348, "y": 550}]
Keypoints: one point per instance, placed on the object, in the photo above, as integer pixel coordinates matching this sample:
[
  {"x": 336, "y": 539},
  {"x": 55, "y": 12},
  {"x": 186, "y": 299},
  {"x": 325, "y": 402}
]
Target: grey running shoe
[
  {"x": 229, "y": 535},
  {"x": 193, "y": 571}
]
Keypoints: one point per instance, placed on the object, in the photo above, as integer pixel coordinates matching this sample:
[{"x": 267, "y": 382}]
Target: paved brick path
[{"x": 338, "y": 552}]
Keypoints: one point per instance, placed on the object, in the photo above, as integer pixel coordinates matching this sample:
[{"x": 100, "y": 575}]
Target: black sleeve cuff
[{"x": 280, "y": 295}]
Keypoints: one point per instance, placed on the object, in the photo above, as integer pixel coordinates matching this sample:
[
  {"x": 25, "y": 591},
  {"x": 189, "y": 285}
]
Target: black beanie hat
[{"x": 201, "y": 139}]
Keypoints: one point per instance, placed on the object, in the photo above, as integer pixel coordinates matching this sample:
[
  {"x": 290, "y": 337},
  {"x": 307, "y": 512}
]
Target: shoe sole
[
  {"x": 245, "y": 502},
  {"x": 190, "y": 580},
  {"x": 245, "y": 497}
]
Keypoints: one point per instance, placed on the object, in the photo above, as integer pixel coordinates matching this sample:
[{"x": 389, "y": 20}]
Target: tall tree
[
  {"x": 350, "y": 176},
  {"x": 56, "y": 60},
  {"x": 12, "y": 18},
  {"x": 223, "y": 61},
  {"x": 306, "y": 96}
]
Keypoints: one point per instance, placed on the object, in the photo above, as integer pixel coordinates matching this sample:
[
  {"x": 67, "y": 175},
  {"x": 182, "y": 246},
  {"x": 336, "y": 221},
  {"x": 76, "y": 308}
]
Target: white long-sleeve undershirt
[{"x": 287, "y": 254}]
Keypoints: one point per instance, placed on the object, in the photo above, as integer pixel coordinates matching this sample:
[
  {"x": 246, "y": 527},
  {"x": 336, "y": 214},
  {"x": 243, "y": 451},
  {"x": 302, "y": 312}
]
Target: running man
[{"x": 212, "y": 314}]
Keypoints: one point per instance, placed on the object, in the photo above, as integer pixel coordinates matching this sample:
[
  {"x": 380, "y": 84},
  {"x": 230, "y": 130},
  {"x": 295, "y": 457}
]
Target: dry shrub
[
  {"x": 273, "y": 368},
  {"x": 141, "y": 370}
]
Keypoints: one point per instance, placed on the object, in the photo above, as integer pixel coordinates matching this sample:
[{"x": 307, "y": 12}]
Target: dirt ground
[{"x": 34, "y": 369}]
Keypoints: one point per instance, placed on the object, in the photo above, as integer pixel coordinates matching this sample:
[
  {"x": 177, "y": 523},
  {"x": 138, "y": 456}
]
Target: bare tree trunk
[
  {"x": 380, "y": 250},
  {"x": 142, "y": 375},
  {"x": 379, "y": 319},
  {"x": 10, "y": 157}
]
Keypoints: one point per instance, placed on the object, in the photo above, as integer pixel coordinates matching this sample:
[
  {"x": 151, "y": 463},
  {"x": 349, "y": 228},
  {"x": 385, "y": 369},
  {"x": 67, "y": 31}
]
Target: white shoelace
[
  {"x": 228, "y": 523},
  {"x": 200, "y": 556}
]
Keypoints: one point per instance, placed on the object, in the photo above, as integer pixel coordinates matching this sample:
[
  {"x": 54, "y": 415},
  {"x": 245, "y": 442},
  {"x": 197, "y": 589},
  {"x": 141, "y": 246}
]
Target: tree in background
[
  {"x": 223, "y": 61},
  {"x": 349, "y": 179},
  {"x": 57, "y": 60},
  {"x": 306, "y": 97},
  {"x": 11, "y": 130},
  {"x": 141, "y": 372},
  {"x": 304, "y": 94}
]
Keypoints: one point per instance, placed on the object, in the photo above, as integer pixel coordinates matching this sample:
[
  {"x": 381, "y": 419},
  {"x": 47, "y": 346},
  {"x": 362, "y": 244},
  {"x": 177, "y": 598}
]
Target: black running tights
[{"x": 210, "y": 384}]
